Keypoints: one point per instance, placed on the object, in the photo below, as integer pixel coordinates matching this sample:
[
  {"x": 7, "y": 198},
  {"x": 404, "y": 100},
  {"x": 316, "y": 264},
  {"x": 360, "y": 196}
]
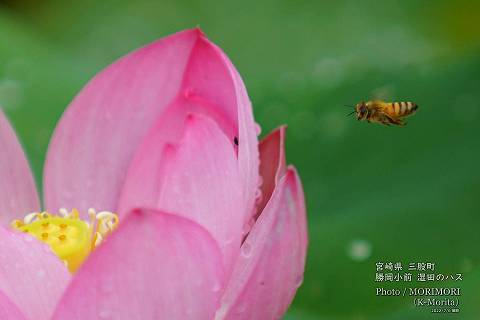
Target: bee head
[{"x": 361, "y": 110}]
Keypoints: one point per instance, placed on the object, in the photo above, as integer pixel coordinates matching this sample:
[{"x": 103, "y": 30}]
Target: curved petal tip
[
  {"x": 272, "y": 261},
  {"x": 272, "y": 163}
]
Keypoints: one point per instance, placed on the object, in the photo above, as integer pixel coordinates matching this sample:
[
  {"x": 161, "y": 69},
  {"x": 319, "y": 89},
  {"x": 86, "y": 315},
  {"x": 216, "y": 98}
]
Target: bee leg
[
  {"x": 385, "y": 122},
  {"x": 394, "y": 121}
]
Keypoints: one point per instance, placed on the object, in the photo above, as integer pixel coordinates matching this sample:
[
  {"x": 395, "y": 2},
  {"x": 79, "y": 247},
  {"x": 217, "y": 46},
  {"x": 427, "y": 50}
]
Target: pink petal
[
  {"x": 272, "y": 163},
  {"x": 155, "y": 266},
  {"x": 8, "y": 310},
  {"x": 272, "y": 260},
  {"x": 96, "y": 138},
  {"x": 197, "y": 177},
  {"x": 217, "y": 80},
  {"x": 31, "y": 276},
  {"x": 18, "y": 194},
  {"x": 98, "y": 135},
  {"x": 248, "y": 148}
]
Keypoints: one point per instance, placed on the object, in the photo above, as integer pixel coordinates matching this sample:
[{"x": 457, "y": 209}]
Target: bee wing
[{"x": 382, "y": 93}]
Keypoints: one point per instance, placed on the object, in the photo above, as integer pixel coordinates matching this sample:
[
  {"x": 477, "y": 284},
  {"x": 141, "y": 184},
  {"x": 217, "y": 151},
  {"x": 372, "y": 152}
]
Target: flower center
[{"x": 70, "y": 238}]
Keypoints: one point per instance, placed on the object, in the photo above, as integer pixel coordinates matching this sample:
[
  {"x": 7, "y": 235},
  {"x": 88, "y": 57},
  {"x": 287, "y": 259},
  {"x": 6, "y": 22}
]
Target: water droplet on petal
[
  {"x": 299, "y": 280},
  {"x": 258, "y": 129},
  {"x": 258, "y": 194},
  {"x": 246, "y": 249}
]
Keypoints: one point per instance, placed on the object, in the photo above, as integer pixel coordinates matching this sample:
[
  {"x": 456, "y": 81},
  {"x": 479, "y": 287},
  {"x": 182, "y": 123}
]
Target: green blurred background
[{"x": 373, "y": 193}]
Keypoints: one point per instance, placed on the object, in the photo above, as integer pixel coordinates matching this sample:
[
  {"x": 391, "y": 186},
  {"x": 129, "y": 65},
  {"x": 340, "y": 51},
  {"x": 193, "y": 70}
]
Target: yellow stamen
[{"x": 69, "y": 237}]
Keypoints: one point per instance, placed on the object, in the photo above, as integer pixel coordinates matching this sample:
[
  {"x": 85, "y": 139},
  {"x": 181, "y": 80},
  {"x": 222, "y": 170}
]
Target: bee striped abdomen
[
  {"x": 412, "y": 107},
  {"x": 400, "y": 109}
]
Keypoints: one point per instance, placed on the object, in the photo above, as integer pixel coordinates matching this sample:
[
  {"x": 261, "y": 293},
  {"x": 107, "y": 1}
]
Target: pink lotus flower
[{"x": 221, "y": 229}]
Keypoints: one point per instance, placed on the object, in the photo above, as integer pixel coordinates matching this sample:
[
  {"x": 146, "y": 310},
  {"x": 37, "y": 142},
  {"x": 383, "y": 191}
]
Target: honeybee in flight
[{"x": 386, "y": 113}]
